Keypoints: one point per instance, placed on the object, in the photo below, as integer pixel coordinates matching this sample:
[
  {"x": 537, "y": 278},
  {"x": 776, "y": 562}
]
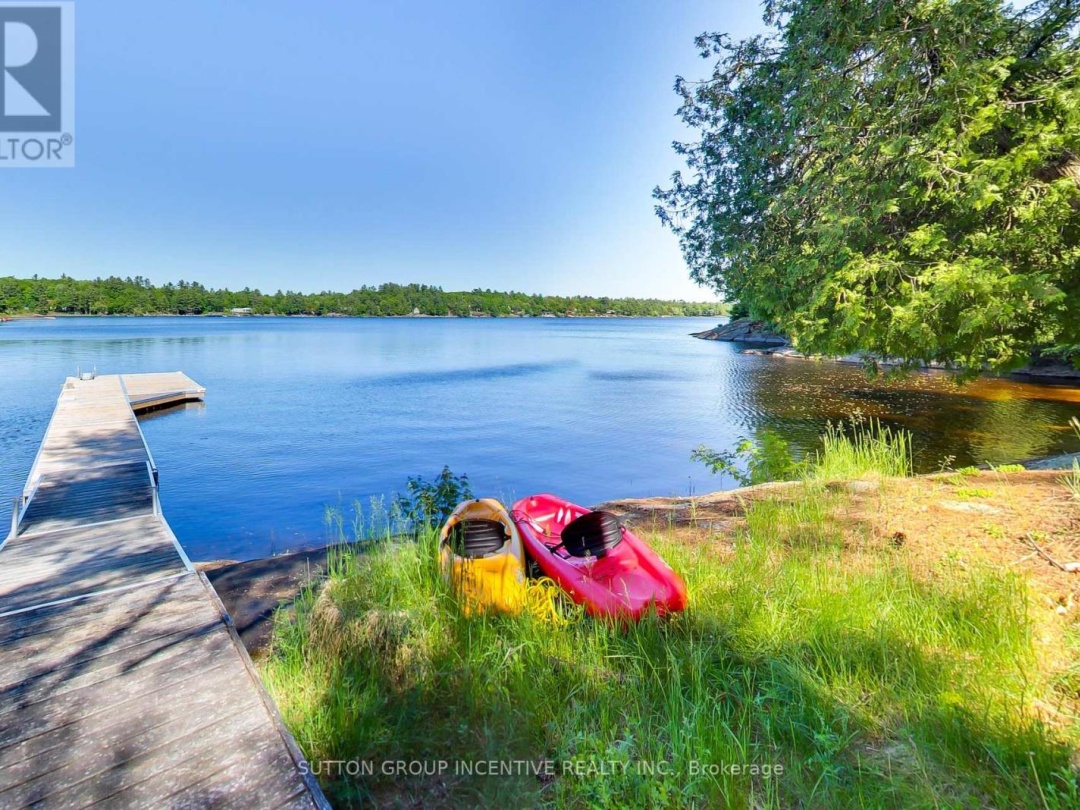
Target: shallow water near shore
[{"x": 306, "y": 413}]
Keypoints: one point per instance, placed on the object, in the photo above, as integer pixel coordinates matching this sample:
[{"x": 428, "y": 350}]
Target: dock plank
[
  {"x": 76, "y": 561},
  {"x": 121, "y": 681},
  {"x": 47, "y": 752}
]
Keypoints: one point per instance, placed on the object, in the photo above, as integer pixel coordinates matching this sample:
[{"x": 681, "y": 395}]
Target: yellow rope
[{"x": 541, "y": 600}]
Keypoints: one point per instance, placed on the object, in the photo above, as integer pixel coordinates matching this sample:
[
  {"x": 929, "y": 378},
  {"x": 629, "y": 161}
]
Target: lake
[{"x": 305, "y": 413}]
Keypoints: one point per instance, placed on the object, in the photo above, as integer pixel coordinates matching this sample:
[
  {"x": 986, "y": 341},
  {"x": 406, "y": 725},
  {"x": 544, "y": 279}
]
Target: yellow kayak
[{"x": 482, "y": 557}]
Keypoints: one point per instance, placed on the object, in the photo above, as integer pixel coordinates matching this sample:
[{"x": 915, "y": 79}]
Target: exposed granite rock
[
  {"x": 1040, "y": 372},
  {"x": 743, "y": 329},
  {"x": 1061, "y": 371},
  {"x": 1064, "y": 462},
  {"x": 751, "y": 331},
  {"x": 970, "y": 507}
]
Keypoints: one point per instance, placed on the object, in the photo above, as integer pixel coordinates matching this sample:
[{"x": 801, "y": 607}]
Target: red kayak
[{"x": 597, "y": 561}]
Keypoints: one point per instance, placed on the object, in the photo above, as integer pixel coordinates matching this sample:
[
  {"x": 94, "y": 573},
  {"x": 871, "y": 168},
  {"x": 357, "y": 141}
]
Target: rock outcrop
[
  {"x": 743, "y": 330},
  {"x": 747, "y": 330}
]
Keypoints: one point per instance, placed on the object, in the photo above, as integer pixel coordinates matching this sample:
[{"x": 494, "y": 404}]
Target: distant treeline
[{"x": 137, "y": 296}]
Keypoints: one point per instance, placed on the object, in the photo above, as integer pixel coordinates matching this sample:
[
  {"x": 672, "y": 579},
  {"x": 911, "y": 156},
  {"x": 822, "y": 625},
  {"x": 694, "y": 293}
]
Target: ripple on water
[{"x": 305, "y": 413}]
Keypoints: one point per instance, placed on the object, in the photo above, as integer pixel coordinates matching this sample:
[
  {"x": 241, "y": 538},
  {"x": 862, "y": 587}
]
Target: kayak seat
[
  {"x": 477, "y": 537},
  {"x": 591, "y": 535}
]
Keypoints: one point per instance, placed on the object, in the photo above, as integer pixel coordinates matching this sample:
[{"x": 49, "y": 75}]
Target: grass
[
  {"x": 811, "y": 669},
  {"x": 1008, "y": 468},
  {"x": 862, "y": 448},
  {"x": 967, "y": 493},
  {"x": 1072, "y": 480}
]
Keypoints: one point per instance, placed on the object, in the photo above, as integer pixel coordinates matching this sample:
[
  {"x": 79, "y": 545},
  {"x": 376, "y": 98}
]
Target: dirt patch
[
  {"x": 988, "y": 516},
  {"x": 938, "y": 525},
  {"x": 719, "y": 507},
  {"x": 252, "y": 591},
  {"x": 991, "y": 517}
]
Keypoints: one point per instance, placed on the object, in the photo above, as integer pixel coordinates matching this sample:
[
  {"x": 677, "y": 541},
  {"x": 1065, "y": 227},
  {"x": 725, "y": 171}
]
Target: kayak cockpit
[
  {"x": 474, "y": 538},
  {"x": 482, "y": 557},
  {"x": 593, "y": 534}
]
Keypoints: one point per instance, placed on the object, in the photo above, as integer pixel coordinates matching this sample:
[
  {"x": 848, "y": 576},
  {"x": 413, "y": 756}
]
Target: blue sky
[{"x": 505, "y": 144}]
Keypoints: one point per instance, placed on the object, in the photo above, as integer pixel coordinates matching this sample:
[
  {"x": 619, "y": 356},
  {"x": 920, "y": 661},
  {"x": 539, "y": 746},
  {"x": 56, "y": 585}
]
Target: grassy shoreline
[{"x": 826, "y": 659}]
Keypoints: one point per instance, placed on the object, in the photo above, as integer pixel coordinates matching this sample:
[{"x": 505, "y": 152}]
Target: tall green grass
[
  {"x": 1072, "y": 480},
  {"x": 861, "y": 447},
  {"x": 852, "y": 448},
  {"x": 867, "y": 685}
]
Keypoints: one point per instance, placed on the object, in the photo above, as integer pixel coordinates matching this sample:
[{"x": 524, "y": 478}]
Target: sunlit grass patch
[
  {"x": 1008, "y": 468},
  {"x": 967, "y": 493},
  {"x": 862, "y": 447},
  {"x": 782, "y": 660},
  {"x": 827, "y": 670}
]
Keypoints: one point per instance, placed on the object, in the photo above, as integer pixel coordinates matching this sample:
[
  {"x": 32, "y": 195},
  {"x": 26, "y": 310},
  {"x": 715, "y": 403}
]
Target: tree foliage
[
  {"x": 893, "y": 176},
  {"x": 137, "y": 296}
]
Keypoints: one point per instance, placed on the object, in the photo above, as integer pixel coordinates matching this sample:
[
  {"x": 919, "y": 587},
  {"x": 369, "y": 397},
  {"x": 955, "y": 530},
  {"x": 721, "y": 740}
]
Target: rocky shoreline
[
  {"x": 743, "y": 330},
  {"x": 254, "y": 590},
  {"x": 767, "y": 343}
]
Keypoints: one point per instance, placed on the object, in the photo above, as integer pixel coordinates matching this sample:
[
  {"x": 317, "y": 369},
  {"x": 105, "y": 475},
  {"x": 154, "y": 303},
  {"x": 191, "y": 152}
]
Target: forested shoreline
[
  {"x": 900, "y": 179},
  {"x": 138, "y": 296}
]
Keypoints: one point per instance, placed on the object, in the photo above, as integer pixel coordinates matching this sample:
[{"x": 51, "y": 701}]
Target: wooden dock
[{"x": 122, "y": 679}]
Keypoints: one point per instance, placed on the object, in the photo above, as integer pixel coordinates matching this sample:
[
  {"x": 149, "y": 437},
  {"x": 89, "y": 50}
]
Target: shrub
[
  {"x": 768, "y": 458},
  {"x": 427, "y": 504}
]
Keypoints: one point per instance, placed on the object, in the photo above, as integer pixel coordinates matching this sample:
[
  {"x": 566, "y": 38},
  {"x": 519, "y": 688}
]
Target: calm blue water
[{"x": 305, "y": 413}]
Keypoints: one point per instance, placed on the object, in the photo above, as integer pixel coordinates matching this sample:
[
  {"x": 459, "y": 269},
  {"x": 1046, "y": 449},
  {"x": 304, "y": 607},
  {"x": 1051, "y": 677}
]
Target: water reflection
[
  {"x": 301, "y": 413},
  {"x": 160, "y": 413},
  {"x": 110, "y": 343},
  {"x": 462, "y": 375},
  {"x": 992, "y": 420}
]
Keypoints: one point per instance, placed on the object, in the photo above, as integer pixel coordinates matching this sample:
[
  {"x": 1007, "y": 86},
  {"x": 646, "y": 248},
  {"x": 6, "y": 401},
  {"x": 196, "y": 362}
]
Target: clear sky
[{"x": 509, "y": 144}]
